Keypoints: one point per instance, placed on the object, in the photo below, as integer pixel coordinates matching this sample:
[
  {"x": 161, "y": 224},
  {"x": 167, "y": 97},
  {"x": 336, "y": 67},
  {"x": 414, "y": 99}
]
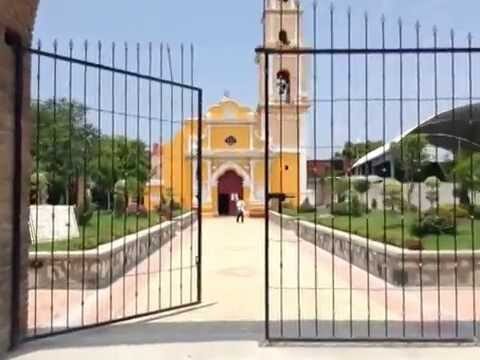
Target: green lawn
[
  {"x": 379, "y": 226},
  {"x": 99, "y": 230}
]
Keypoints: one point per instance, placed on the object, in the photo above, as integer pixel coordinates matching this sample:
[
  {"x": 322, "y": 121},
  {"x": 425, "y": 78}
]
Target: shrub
[
  {"x": 38, "y": 188},
  {"x": 361, "y": 186},
  {"x": 134, "y": 209},
  {"x": 168, "y": 203},
  {"x": 175, "y": 205},
  {"x": 119, "y": 204},
  {"x": 164, "y": 214},
  {"x": 164, "y": 211},
  {"x": 341, "y": 209},
  {"x": 84, "y": 213},
  {"x": 346, "y": 208},
  {"x": 409, "y": 207},
  {"x": 448, "y": 211},
  {"x": 306, "y": 207},
  {"x": 393, "y": 194},
  {"x": 288, "y": 205},
  {"x": 340, "y": 185},
  {"x": 357, "y": 208},
  {"x": 120, "y": 197},
  {"x": 476, "y": 212},
  {"x": 462, "y": 213},
  {"x": 414, "y": 244},
  {"x": 440, "y": 211},
  {"x": 432, "y": 183},
  {"x": 459, "y": 211},
  {"x": 433, "y": 225},
  {"x": 374, "y": 204},
  {"x": 461, "y": 192}
]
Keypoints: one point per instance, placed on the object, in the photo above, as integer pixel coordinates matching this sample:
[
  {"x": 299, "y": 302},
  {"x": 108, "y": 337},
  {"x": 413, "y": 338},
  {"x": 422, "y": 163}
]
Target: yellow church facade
[
  {"x": 233, "y": 164},
  {"x": 233, "y": 141}
]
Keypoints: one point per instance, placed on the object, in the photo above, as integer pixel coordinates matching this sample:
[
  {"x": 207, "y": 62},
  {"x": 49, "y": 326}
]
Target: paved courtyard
[{"x": 229, "y": 322}]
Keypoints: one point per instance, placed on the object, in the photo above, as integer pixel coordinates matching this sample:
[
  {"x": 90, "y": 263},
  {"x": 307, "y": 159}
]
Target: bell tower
[
  {"x": 289, "y": 100},
  {"x": 282, "y": 20},
  {"x": 288, "y": 73}
]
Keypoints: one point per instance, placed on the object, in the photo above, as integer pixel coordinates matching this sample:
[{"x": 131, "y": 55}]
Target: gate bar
[
  {"x": 109, "y": 322},
  {"x": 310, "y": 51},
  {"x": 14, "y": 40},
  {"x": 399, "y": 340},
  {"x": 199, "y": 185},
  {"x": 267, "y": 190},
  {"x": 109, "y": 68}
]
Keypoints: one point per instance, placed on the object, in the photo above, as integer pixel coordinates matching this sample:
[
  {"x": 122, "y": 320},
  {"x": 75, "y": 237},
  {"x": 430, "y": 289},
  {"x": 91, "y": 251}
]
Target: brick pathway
[
  {"x": 229, "y": 322},
  {"x": 159, "y": 282},
  {"x": 361, "y": 305}
]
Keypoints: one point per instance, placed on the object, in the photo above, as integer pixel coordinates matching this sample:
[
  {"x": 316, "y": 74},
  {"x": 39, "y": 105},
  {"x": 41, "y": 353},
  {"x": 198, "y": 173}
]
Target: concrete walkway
[{"x": 229, "y": 323}]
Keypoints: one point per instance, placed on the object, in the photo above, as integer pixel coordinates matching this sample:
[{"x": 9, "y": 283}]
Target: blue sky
[{"x": 225, "y": 34}]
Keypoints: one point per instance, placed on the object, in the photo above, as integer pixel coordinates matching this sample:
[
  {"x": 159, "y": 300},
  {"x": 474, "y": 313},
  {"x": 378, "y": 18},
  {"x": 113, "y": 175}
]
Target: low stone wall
[
  {"x": 407, "y": 267},
  {"x": 120, "y": 256}
]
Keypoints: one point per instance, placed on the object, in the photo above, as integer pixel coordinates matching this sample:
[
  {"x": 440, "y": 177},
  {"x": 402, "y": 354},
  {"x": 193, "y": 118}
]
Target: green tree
[
  {"x": 410, "y": 155},
  {"x": 38, "y": 188},
  {"x": 432, "y": 184},
  {"x": 69, "y": 151},
  {"x": 361, "y": 186},
  {"x": 467, "y": 171},
  {"x": 116, "y": 159},
  {"x": 61, "y": 145},
  {"x": 393, "y": 194},
  {"x": 120, "y": 197},
  {"x": 340, "y": 187},
  {"x": 354, "y": 151}
]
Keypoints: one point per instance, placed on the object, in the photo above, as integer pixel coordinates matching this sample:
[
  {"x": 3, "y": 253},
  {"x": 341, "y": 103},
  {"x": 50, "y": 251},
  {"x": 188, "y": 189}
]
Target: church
[{"x": 233, "y": 136}]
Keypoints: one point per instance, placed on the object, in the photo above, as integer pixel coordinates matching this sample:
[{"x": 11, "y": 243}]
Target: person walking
[{"x": 240, "y": 210}]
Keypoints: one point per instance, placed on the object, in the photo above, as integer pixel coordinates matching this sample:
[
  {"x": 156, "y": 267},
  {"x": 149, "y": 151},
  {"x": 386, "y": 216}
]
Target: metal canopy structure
[{"x": 454, "y": 130}]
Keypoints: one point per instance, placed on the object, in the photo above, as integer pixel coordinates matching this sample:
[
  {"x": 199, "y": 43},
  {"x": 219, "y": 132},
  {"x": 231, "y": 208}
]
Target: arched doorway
[{"x": 230, "y": 185}]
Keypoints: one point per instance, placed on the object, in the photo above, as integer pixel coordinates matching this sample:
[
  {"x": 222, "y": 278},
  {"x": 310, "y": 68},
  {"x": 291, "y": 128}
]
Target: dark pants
[{"x": 240, "y": 215}]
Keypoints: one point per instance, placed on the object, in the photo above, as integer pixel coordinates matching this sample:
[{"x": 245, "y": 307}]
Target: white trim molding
[{"x": 222, "y": 169}]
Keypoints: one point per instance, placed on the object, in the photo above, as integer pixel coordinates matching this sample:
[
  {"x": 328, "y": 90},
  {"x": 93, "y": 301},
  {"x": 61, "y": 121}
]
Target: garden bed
[
  {"x": 398, "y": 266},
  {"x": 103, "y": 228},
  {"x": 387, "y": 227},
  {"x": 100, "y": 266}
]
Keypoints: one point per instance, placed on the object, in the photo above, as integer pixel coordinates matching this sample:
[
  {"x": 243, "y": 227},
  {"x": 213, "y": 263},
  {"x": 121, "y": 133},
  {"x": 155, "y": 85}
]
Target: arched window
[
  {"x": 283, "y": 4},
  {"x": 283, "y": 84},
  {"x": 283, "y": 37}
]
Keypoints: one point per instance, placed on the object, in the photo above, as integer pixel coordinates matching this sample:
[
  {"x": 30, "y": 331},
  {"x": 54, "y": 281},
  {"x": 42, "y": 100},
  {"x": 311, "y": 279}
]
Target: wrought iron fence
[
  {"x": 372, "y": 146},
  {"x": 115, "y": 221}
]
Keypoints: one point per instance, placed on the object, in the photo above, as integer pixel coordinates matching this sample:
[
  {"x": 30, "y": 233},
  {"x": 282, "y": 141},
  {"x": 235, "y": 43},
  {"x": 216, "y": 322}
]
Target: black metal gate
[
  {"x": 372, "y": 153},
  {"x": 115, "y": 214}
]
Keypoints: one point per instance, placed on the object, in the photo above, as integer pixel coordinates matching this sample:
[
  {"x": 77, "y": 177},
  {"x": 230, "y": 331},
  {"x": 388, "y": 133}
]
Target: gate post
[
  {"x": 16, "y": 22},
  {"x": 199, "y": 196},
  {"x": 18, "y": 219},
  {"x": 267, "y": 191}
]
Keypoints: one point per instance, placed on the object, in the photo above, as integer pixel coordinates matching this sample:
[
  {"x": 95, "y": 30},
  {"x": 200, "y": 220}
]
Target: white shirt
[{"x": 241, "y": 205}]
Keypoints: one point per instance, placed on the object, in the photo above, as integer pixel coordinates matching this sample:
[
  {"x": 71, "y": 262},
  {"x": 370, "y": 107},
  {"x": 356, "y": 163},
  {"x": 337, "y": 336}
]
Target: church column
[
  {"x": 209, "y": 138},
  {"x": 252, "y": 180},
  {"x": 251, "y": 136},
  {"x": 303, "y": 159},
  {"x": 209, "y": 180},
  {"x": 195, "y": 189},
  {"x": 303, "y": 175}
]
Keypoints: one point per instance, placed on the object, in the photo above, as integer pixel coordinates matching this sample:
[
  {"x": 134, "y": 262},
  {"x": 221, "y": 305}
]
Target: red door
[{"x": 228, "y": 184}]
